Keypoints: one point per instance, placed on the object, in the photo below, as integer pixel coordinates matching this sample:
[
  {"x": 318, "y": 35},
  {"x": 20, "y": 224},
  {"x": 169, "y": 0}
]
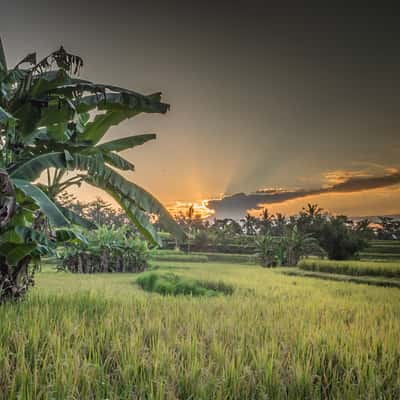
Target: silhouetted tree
[
  {"x": 266, "y": 222},
  {"x": 250, "y": 224}
]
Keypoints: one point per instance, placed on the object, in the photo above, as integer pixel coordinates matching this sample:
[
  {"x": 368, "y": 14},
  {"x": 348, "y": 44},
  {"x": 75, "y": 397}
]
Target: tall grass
[
  {"x": 356, "y": 268},
  {"x": 276, "y": 337}
]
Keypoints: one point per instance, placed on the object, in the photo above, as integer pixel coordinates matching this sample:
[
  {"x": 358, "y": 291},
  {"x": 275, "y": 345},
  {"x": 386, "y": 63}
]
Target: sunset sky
[{"x": 304, "y": 101}]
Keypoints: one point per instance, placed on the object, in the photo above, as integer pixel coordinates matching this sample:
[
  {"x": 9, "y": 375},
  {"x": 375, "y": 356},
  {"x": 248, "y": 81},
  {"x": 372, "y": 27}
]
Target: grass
[
  {"x": 276, "y": 337},
  {"x": 383, "y": 248},
  {"x": 230, "y": 258},
  {"x": 354, "y": 268},
  {"x": 172, "y": 256},
  {"x": 172, "y": 284},
  {"x": 379, "y": 256}
]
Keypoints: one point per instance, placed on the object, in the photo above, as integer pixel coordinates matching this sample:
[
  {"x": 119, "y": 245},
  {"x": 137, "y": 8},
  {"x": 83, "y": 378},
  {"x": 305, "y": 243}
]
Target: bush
[
  {"x": 171, "y": 284},
  {"x": 106, "y": 250}
]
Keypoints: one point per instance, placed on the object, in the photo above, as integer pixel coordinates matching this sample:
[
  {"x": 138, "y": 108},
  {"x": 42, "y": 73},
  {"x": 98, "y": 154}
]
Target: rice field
[
  {"x": 382, "y": 250},
  {"x": 276, "y": 337},
  {"x": 353, "y": 268}
]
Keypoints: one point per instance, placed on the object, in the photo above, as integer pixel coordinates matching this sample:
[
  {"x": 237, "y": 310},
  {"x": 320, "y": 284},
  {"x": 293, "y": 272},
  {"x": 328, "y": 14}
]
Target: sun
[{"x": 200, "y": 208}]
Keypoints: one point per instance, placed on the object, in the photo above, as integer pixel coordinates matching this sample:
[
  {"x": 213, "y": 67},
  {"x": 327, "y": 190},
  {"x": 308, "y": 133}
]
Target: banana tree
[{"x": 53, "y": 122}]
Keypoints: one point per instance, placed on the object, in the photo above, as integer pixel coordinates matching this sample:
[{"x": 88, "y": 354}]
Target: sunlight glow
[{"x": 201, "y": 210}]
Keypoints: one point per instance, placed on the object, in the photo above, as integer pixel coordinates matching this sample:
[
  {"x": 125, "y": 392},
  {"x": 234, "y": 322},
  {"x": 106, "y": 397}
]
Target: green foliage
[
  {"x": 266, "y": 253},
  {"x": 171, "y": 284},
  {"x": 23, "y": 241},
  {"x": 106, "y": 250},
  {"x": 45, "y": 125},
  {"x": 54, "y": 214},
  {"x": 336, "y": 235},
  {"x": 296, "y": 244},
  {"x": 340, "y": 242},
  {"x": 287, "y": 250}
]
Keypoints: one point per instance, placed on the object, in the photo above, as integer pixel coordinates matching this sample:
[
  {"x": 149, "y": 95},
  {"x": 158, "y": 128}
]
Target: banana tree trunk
[
  {"x": 13, "y": 279},
  {"x": 7, "y": 199},
  {"x": 104, "y": 261}
]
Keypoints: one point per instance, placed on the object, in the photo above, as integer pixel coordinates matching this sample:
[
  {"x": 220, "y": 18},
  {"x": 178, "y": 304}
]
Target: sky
[{"x": 264, "y": 99}]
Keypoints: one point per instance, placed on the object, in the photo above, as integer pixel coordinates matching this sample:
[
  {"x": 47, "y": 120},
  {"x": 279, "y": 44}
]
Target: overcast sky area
[{"x": 261, "y": 97}]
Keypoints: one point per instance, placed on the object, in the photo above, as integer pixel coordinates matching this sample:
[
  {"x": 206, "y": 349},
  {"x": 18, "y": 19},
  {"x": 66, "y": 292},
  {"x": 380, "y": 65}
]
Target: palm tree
[
  {"x": 312, "y": 211},
  {"x": 266, "y": 251},
  {"x": 189, "y": 219},
  {"x": 266, "y": 221},
  {"x": 279, "y": 224},
  {"x": 45, "y": 127},
  {"x": 296, "y": 245},
  {"x": 249, "y": 224}
]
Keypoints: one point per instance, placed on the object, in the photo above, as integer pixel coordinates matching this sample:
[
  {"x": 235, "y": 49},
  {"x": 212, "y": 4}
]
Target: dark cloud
[{"x": 236, "y": 205}]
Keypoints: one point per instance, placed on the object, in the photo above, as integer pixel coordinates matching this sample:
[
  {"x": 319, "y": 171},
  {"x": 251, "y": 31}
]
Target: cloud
[{"x": 236, "y": 205}]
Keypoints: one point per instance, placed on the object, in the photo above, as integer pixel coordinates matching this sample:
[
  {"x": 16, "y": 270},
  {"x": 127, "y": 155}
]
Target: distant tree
[
  {"x": 280, "y": 223},
  {"x": 189, "y": 219},
  {"x": 191, "y": 222},
  {"x": 297, "y": 244},
  {"x": 227, "y": 227},
  {"x": 201, "y": 240},
  {"x": 310, "y": 218},
  {"x": 266, "y": 222},
  {"x": 266, "y": 251},
  {"x": 338, "y": 240},
  {"x": 286, "y": 251},
  {"x": 250, "y": 224},
  {"x": 313, "y": 211},
  {"x": 95, "y": 213}
]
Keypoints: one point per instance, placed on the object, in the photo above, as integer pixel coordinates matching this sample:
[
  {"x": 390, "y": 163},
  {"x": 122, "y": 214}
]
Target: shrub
[
  {"x": 106, "y": 250},
  {"x": 171, "y": 284}
]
